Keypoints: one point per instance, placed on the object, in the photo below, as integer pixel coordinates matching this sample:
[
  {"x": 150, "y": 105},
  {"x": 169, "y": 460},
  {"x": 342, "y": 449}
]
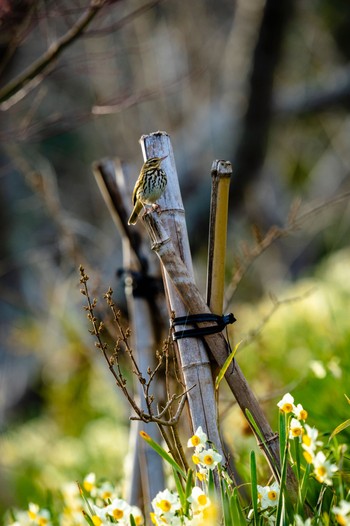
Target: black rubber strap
[
  {"x": 221, "y": 322},
  {"x": 143, "y": 285}
]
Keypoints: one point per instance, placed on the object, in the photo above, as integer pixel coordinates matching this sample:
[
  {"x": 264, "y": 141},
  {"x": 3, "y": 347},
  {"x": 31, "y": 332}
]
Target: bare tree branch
[{"x": 42, "y": 63}]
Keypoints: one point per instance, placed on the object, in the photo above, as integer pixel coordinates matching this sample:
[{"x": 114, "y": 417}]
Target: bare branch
[
  {"x": 294, "y": 223},
  {"x": 43, "y": 62}
]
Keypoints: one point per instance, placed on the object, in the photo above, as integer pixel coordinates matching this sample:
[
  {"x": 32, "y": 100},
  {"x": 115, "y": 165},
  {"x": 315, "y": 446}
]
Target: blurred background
[{"x": 264, "y": 84}]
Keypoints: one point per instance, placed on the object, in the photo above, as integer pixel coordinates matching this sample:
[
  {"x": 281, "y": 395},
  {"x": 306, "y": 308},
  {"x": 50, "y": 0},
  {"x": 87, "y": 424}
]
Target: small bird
[{"x": 149, "y": 186}]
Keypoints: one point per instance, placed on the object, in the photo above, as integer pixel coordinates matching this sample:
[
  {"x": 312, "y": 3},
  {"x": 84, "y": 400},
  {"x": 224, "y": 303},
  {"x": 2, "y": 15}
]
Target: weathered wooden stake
[{"x": 192, "y": 354}]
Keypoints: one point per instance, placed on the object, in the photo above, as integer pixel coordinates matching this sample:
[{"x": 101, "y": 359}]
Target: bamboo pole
[
  {"x": 221, "y": 174},
  {"x": 168, "y": 236},
  {"x": 179, "y": 276},
  {"x": 147, "y": 477},
  {"x": 192, "y": 354}
]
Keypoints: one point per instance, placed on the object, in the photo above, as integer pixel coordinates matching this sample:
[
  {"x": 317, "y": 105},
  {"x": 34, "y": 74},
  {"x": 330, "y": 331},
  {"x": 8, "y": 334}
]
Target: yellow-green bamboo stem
[{"x": 221, "y": 174}]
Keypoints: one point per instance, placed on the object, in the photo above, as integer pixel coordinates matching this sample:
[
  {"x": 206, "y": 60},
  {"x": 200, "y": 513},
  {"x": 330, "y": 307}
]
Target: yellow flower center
[
  {"x": 138, "y": 520},
  {"x": 88, "y": 486},
  {"x": 42, "y": 521},
  {"x": 195, "y": 459},
  {"x": 320, "y": 473},
  {"x": 200, "y": 476},
  {"x": 210, "y": 514},
  {"x": 106, "y": 494},
  {"x": 164, "y": 505},
  {"x": 153, "y": 517},
  {"x": 202, "y": 500},
  {"x": 96, "y": 520},
  {"x": 287, "y": 407},
  {"x": 296, "y": 431},
  {"x": 307, "y": 440},
  {"x": 272, "y": 495},
  {"x": 308, "y": 457},
  {"x": 195, "y": 441},
  {"x": 118, "y": 513},
  {"x": 208, "y": 460},
  {"x": 340, "y": 520},
  {"x": 303, "y": 414},
  {"x": 32, "y": 515}
]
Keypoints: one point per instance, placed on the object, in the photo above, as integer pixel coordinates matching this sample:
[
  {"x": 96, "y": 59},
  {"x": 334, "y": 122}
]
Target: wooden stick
[
  {"x": 191, "y": 353},
  {"x": 147, "y": 476},
  {"x": 179, "y": 276},
  {"x": 221, "y": 173}
]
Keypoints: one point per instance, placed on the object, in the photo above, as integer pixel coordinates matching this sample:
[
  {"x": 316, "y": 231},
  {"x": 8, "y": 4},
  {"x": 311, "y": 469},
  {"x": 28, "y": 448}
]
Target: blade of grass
[
  {"x": 224, "y": 368},
  {"x": 261, "y": 438},
  {"x": 163, "y": 453},
  {"x": 225, "y": 501},
  {"x": 179, "y": 488},
  {"x": 254, "y": 486},
  {"x": 188, "y": 490},
  {"x": 339, "y": 428},
  {"x": 237, "y": 514}
]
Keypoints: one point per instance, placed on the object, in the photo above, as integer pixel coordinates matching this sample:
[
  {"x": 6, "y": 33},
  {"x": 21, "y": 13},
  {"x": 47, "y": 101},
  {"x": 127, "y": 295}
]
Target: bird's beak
[{"x": 162, "y": 158}]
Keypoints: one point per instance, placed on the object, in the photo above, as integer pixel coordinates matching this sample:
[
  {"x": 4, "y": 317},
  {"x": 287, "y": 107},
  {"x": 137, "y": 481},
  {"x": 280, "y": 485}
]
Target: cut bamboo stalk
[
  {"x": 221, "y": 173},
  {"x": 192, "y": 354},
  {"x": 180, "y": 284},
  {"x": 147, "y": 477},
  {"x": 179, "y": 276}
]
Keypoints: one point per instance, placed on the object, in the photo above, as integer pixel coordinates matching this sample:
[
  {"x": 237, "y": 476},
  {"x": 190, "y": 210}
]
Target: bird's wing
[{"x": 136, "y": 187}]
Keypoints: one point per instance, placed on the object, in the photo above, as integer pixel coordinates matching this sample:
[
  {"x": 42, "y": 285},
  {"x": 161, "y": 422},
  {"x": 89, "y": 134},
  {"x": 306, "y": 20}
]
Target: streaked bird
[{"x": 149, "y": 186}]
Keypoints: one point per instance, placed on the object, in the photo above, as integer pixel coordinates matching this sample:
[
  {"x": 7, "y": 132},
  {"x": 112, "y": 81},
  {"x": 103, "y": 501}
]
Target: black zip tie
[
  {"x": 143, "y": 285},
  {"x": 221, "y": 322}
]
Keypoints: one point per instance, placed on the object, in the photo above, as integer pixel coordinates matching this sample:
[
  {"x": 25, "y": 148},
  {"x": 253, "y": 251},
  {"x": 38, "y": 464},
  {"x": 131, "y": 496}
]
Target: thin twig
[
  {"x": 56, "y": 48},
  {"x": 294, "y": 223},
  {"x": 114, "y": 363}
]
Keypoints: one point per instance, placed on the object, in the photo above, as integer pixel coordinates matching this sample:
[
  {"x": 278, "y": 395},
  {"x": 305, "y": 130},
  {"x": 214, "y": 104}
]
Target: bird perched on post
[{"x": 149, "y": 186}]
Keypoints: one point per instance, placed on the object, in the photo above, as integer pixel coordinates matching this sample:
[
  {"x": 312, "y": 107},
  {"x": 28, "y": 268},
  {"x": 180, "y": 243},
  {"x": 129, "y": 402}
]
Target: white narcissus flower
[
  {"x": 99, "y": 515},
  {"x": 198, "y": 499},
  {"x": 300, "y": 412},
  {"x": 119, "y": 510},
  {"x": 323, "y": 469},
  {"x": 89, "y": 482},
  {"x": 209, "y": 458},
  {"x": 286, "y": 404},
  {"x": 310, "y": 443},
  {"x": 198, "y": 440},
  {"x": 295, "y": 428},
  {"x": 137, "y": 514},
  {"x": 342, "y": 513},
  {"x": 268, "y": 495},
  {"x": 106, "y": 491},
  {"x": 39, "y": 516},
  {"x": 166, "y": 503}
]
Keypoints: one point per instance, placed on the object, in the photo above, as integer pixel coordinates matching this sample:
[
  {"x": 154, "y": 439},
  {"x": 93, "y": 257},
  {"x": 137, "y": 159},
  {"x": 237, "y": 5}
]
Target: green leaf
[
  {"x": 238, "y": 518},
  {"x": 188, "y": 490},
  {"x": 211, "y": 482},
  {"x": 87, "y": 518},
  {"x": 224, "y": 368},
  {"x": 163, "y": 453},
  {"x": 261, "y": 437},
  {"x": 179, "y": 489},
  {"x": 339, "y": 428},
  {"x": 132, "y": 520},
  {"x": 87, "y": 503},
  {"x": 254, "y": 485}
]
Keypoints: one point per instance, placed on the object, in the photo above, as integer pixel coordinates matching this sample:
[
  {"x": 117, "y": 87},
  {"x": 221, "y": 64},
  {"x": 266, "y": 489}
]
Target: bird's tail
[{"x": 135, "y": 213}]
